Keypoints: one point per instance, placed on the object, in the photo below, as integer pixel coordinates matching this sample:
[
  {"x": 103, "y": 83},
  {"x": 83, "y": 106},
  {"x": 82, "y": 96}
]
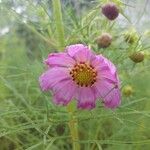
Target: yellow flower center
[{"x": 83, "y": 74}]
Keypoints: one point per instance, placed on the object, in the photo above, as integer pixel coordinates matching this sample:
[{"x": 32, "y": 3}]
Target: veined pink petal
[
  {"x": 103, "y": 87},
  {"x": 107, "y": 75},
  {"x": 59, "y": 60},
  {"x": 106, "y": 70},
  {"x": 64, "y": 92},
  {"x": 53, "y": 76},
  {"x": 109, "y": 64},
  {"x": 99, "y": 63},
  {"x": 108, "y": 93},
  {"x": 80, "y": 53},
  {"x": 63, "y": 85},
  {"x": 86, "y": 98},
  {"x": 113, "y": 99}
]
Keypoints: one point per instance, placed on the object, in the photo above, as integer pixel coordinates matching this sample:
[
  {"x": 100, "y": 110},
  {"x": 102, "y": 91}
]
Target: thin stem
[
  {"x": 59, "y": 23},
  {"x": 73, "y": 126}
]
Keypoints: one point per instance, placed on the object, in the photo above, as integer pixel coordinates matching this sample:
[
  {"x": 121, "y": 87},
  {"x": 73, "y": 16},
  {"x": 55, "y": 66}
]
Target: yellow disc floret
[{"x": 83, "y": 74}]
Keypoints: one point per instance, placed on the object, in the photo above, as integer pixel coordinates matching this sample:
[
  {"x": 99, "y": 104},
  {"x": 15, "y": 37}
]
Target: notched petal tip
[
  {"x": 59, "y": 60},
  {"x": 113, "y": 100},
  {"x": 60, "y": 101},
  {"x": 111, "y": 105},
  {"x": 53, "y": 76},
  {"x": 43, "y": 83},
  {"x": 80, "y": 53},
  {"x": 86, "y": 105}
]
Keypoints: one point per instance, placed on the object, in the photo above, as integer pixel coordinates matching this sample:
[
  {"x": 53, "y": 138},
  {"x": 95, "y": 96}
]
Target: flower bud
[
  {"x": 137, "y": 57},
  {"x": 104, "y": 40},
  {"x": 110, "y": 10},
  {"x": 127, "y": 90},
  {"x": 131, "y": 37}
]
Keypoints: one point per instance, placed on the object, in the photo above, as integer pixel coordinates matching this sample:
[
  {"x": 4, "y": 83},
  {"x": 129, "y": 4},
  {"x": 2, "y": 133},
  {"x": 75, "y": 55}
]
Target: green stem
[
  {"x": 73, "y": 126},
  {"x": 58, "y": 23}
]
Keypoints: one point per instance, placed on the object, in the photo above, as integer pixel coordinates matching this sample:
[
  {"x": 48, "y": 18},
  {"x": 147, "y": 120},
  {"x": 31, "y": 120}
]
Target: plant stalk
[
  {"x": 57, "y": 13},
  {"x": 73, "y": 126}
]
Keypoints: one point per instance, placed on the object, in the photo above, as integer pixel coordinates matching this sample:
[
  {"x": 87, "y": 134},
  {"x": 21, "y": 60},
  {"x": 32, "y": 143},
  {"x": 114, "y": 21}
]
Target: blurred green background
[{"x": 29, "y": 31}]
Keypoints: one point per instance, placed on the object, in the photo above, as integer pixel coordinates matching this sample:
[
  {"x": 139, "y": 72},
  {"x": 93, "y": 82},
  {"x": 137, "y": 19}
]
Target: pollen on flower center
[{"x": 83, "y": 74}]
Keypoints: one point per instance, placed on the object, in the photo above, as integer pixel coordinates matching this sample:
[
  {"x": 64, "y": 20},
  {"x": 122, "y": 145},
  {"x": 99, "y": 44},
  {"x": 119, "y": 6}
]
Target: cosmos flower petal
[
  {"x": 103, "y": 87},
  {"x": 109, "y": 64},
  {"x": 105, "y": 69},
  {"x": 108, "y": 93},
  {"x": 53, "y": 76},
  {"x": 86, "y": 98},
  {"x": 64, "y": 85},
  {"x": 64, "y": 92},
  {"x": 80, "y": 53},
  {"x": 106, "y": 75},
  {"x": 60, "y": 60},
  {"x": 99, "y": 63},
  {"x": 102, "y": 63},
  {"x": 112, "y": 100}
]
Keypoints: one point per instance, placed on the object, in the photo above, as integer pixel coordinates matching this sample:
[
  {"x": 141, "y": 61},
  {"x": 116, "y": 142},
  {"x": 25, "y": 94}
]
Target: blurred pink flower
[{"x": 79, "y": 74}]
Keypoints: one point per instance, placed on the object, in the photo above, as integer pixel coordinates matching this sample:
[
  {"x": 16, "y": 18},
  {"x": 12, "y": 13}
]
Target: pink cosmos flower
[{"x": 79, "y": 74}]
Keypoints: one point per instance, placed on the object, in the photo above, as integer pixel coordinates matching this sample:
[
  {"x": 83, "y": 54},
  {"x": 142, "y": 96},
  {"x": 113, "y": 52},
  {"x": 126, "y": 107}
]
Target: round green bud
[
  {"x": 127, "y": 90},
  {"x": 137, "y": 57},
  {"x": 104, "y": 40}
]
